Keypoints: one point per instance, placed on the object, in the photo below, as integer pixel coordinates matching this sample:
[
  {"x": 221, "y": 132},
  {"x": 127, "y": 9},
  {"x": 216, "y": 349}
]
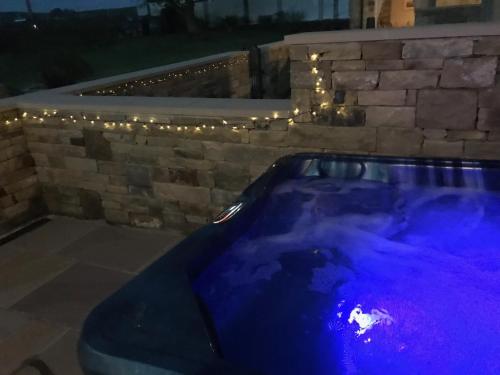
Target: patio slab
[
  {"x": 122, "y": 249},
  {"x": 21, "y": 337},
  {"x": 61, "y": 357},
  {"x": 69, "y": 297}
]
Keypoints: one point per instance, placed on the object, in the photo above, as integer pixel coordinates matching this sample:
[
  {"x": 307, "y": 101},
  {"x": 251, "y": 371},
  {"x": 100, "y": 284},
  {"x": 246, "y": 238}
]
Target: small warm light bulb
[
  {"x": 315, "y": 70},
  {"x": 185, "y": 128},
  {"x": 204, "y": 126},
  {"x": 92, "y": 122},
  {"x": 314, "y": 57},
  {"x": 16, "y": 119},
  {"x": 275, "y": 115},
  {"x": 213, "y": 127},
  {"x": 98, "y": 117},
  {"x": 84, "y": 117},
  {"x": 25, "y": 114},
  {"x": 224, "y": 122},
  {"x": 314, "y": 113},
  {"x": 151, "y": 120},
  {"x": 179, "y": 128},
  {"x": 168, "y": 126},
  {"x": 7, "y": 122},
  {"x": 296, "y": 111},
  {"x": 253, "y": 118},
  {"x": 136, "y": 119}
]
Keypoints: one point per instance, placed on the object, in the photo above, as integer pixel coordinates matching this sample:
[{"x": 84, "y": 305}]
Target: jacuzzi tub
[{"x": 325, "y": 265}]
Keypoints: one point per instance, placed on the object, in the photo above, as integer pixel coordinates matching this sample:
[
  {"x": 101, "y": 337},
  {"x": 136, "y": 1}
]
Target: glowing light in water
[{"x": 368, "y": 321}]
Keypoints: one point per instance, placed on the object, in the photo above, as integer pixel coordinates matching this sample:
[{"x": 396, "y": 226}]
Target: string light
[{"x": 123, "y": 89}]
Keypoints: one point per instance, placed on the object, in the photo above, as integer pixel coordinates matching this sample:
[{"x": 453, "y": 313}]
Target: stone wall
[
  {"x": 275, "y": 61},
  {"x": 19, "y": 189},
  {"x": 225, "y": 78},
  {"x": 436, "y": 97},
  {"x": 154, "y": 177}
]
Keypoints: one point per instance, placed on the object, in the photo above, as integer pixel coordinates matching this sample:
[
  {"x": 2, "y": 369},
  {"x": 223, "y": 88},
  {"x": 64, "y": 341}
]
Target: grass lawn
[{"x": 20, "y": 71}]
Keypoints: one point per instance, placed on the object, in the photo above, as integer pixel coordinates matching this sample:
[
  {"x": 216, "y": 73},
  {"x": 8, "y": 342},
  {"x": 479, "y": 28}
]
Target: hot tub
[{"x": 325, "y": 265}]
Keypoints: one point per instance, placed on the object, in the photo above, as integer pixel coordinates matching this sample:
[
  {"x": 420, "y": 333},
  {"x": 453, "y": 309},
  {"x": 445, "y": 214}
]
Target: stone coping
[
  {"x": 194, "y": 107},
  {"x": 418, "y": 32},
  {"x": 145, "y": 73}
]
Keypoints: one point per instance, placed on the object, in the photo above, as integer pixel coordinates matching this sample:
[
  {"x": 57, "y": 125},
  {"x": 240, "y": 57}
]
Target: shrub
[{"x": 62, "y": 68}]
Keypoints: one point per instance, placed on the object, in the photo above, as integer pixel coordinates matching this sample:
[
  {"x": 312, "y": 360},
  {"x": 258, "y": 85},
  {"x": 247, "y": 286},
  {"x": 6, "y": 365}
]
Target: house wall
[
  {"x": 19, "y": 188},
  {"x": 402, "y": 96}
]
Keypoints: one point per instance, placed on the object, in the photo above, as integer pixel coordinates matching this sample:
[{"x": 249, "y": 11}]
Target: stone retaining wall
[
  {"x": 225, "y": 78},
  {"x": 436, "y": 97},
  {"x": 19, "y": 188},
  {"x": 147, "y": 176}
]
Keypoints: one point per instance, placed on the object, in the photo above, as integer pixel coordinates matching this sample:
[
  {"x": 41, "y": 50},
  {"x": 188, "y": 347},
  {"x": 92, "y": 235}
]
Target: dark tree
[{"x": 185, "y": 9}]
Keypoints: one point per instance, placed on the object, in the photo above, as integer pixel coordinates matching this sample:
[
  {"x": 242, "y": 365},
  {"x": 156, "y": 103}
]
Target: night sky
[{"x": 47, "y": 5}]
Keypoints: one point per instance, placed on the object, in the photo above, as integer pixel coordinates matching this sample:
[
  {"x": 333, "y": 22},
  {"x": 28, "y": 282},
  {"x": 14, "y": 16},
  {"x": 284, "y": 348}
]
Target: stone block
[
  {"x": 189, "y": 149},
  {"x": 139, "y": 176},
  {"x": 381, "y": 97},
  {"x": 268, "y": 138},
  {"x": 382, "y": 50},
  {"x": 334, "y": 138},
  {"x": 411, "y": 97},
  {"x": 489, "y": 46},
  {"x": 249, "y": 153},
  {"x": 348, "y": 65},
  {"x": 489, "y": 98},
  {"x": 223, "y": 198},
  {"x": 354, "y": 80},
  {"x": 403, "y": 117},
  {"x": 231, "y": 176},
  {"x": 446, "y": 109},
  {"x": 182, "y": 193},
  {"x": 436, "y": 48},
  {"x": 91, "y": 204},
  {"x": 469, "y": 73},
  {"x": 340, "y": 116},
  {"x": 116, "y": 216},
  {"x": 384, "y": 64},
  {"x": 111, "y": 168},
  {"x": 434, "y": 133},
  {"x": 96, "y": 146},
  {"x": 399, "y": 142},
  {"x": 442, "y": 149},
  {"x": 301, "y": 100},
  {"x": 80, "y": 164},
  {"x": 458, "y": 135},
  {"x": 337, "y": 51},
  {"x": 299, "y": 53},
  {"x": 408, "y": 79},
  {"x": 489, "y": 119},
  {"x": 423, "y": 64},
  {"x": 145, "y": 221},
  {"x": 482, "y": 150}
]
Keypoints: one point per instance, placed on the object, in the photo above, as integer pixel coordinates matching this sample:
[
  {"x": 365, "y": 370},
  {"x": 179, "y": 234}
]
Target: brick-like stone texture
[
  {"x": 401, "y": 142},
  {"x": 488, "y": 46},
  {"x": 436, "y": 48},
  {"x": 354, "y": 80},
  {"x": 469, "y": 73},
  {"x": 337, "y": 51},
  {"x": 20, "y": 192},
  {"x": 381, "y": 97},
  {"x": 446, "y": 109},
  {"x": 408, "y": 79},
  {"x": 382, "y": 50},
  {"x": 402, "y": 117}
]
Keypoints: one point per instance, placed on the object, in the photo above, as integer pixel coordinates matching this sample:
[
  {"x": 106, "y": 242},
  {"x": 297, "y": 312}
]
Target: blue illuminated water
[{"x": 362, "y": 277}]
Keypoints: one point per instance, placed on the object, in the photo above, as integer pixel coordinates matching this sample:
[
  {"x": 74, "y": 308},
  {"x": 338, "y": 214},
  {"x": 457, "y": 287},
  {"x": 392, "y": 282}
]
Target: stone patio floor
[{"x": 51, "y": 277}]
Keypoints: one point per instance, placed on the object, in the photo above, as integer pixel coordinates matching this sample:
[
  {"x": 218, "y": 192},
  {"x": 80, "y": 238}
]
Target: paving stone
[
  {"x": 403, "y": 117},
  {"x": 22, "y": 337},
  {"x": 121, "y": 249},
  {"x": 408, "y": 79},
  {"x": 438, "y": 109},
  {"x": 25, "y": 271},
  {"x": 68, "y": 298},
  {"x": 469, "y": 73},
  {"x": 435, "y": 48},
  {"x": 62, "y": 356}
]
